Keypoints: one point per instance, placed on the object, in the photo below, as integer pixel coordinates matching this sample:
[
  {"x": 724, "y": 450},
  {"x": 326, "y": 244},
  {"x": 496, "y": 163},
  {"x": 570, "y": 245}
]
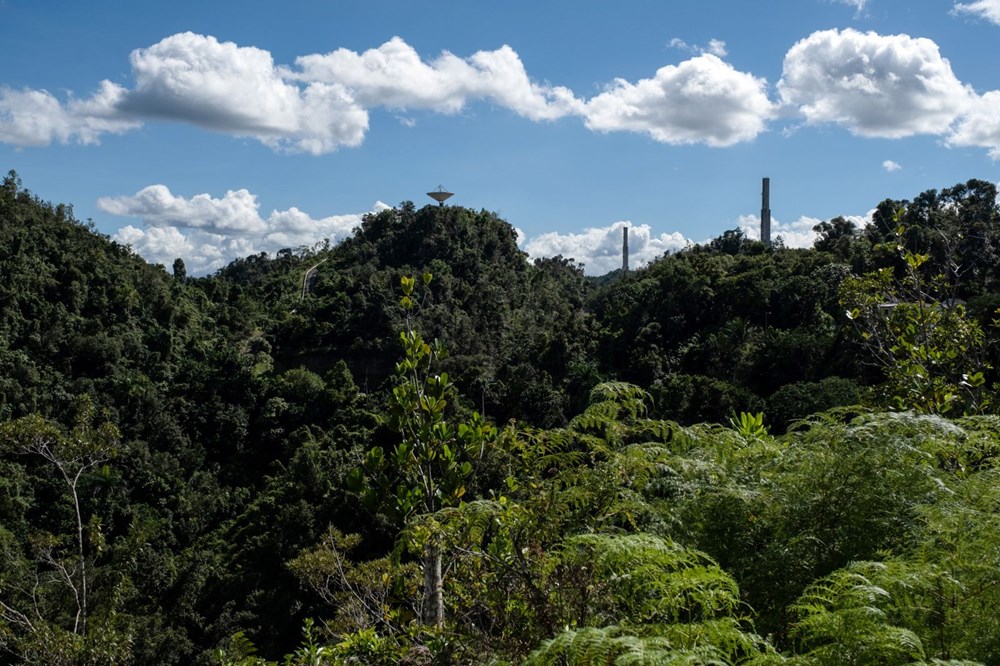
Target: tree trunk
[
  {"x": 432, "y": 611},
  {"x": 82, "y": 600}
]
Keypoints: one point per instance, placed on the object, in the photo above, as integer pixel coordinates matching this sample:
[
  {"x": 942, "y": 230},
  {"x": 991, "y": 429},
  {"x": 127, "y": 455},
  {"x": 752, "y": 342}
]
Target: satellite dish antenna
[{"x": 440, "y": 195}]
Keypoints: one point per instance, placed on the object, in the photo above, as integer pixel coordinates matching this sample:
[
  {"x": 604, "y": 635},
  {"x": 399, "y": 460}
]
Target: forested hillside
[{"x": 431, "y": 450}]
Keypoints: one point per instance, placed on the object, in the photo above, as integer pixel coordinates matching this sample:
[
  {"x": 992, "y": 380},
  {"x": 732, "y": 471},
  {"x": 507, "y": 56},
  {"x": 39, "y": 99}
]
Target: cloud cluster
[
  {"x": 888, "y": 86},
  {"x": 316, "y": 106},
  {"x": 208, "y": 232},
  {"x": 322, "y": 101},
  {"x": 599, "y": 249}
]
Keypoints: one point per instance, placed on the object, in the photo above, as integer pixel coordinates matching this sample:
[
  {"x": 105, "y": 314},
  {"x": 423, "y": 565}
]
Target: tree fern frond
[
  {"x": 659, "y": 645},
  {"x": 607, "y": 646},
  {"x": 725, "y": 634},
  {"x": 471, "y": 523},
  {"x": 661, "y": 432},
  {"x": 628, "y": 395},
  {"x": 651, "y": 579},
  {"x": 611, "y": 402},
  {"x": 837, "y": 416},
  {"x": 841, "y": 619}
]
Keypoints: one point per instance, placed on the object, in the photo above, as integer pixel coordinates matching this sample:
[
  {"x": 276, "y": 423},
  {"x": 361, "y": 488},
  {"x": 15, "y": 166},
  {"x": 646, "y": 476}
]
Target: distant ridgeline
[{"x": 710, "y": 330}]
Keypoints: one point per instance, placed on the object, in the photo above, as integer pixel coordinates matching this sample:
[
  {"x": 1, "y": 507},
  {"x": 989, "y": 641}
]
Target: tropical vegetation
[{"x": 431, "y": 450}]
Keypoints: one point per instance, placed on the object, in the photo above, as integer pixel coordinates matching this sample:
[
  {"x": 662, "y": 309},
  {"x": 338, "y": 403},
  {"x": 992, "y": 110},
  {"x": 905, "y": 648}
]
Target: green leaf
[{"x": 355, "y": 479}]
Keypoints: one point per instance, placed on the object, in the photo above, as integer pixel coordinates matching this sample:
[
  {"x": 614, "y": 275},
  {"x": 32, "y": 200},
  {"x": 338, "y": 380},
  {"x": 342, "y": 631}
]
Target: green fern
[
  {"x": 841, "y": 620},
  {"x": 703, "y": 644},
  {"x": 611, "y": 646},
  {"x": 643, "y": 578},
  {"x": 612, "y": 406}
]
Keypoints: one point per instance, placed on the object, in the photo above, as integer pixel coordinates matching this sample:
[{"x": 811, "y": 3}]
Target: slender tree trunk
[
  {"x": 83, "y": 562},
  {"x": 433, "y": 607}
]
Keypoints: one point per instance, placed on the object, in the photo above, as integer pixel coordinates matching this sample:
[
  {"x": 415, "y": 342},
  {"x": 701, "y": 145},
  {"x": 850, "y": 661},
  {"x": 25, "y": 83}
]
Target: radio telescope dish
[{"x": 440, "y": 195}]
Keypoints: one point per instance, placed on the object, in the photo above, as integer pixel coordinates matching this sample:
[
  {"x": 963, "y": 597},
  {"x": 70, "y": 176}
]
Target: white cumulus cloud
[
  {"x": 599, "y": 249},
  {"x": 888, "y": 86},
  {"x": 891, "y": 166},
  {"x": 701, "y": 100},
  {"x": 37, "y": 117},
  {"x": 239, "y": 90},
  {"x": 209, "y": 232},
  {"x": 986, "y": 9},
  {"x": 395, "y": 76},
  {"x": 236, "y": 213},
  {"x": 980, "y": 127}
]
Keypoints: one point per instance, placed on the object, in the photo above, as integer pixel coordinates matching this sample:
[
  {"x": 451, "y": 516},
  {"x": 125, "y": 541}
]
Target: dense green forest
[{"x": 431, "y": 450}]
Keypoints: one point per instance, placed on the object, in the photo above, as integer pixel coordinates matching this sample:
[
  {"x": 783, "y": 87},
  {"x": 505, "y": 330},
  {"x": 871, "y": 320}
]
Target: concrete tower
[
  {"x": 624, "y": 251},
  {"x": 765, "y": 212}
]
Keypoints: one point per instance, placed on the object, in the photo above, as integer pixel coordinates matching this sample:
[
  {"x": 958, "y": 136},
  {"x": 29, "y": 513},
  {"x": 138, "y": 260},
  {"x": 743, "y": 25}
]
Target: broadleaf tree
[{"x": 432, "y": 463}]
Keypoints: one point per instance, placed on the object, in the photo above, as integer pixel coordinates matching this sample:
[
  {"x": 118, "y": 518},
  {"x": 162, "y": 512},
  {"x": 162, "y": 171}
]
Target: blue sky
[{"x": 210, "y": 130}]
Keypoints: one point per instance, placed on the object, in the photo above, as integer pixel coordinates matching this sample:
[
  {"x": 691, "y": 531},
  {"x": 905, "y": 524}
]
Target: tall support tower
[
  {"x": 624, "y": 251},
  {"x": 765, "y": 212}
]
